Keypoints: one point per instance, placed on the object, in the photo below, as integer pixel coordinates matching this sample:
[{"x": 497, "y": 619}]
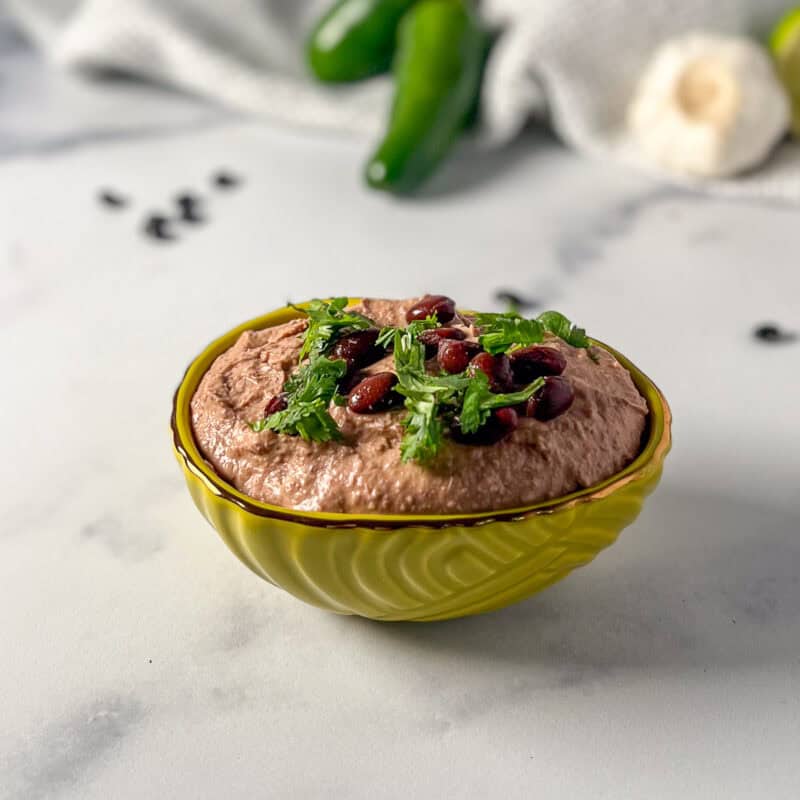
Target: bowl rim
[{"x": 656, "y": 443}]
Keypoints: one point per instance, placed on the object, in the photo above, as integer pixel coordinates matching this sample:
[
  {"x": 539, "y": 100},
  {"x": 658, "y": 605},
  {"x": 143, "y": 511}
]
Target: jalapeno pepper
[
  {"x": 438, "y": 70},
  {"x": 355, "y": 39}
]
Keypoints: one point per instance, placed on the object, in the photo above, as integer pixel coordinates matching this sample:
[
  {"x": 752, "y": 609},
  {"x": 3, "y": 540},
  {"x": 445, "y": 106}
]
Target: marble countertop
[{"x": 140, "y": 659}]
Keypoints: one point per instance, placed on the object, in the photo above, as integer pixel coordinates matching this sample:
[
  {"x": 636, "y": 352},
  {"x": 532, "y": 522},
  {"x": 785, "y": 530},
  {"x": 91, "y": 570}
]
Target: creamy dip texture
[{"x": 599, "y": 435}]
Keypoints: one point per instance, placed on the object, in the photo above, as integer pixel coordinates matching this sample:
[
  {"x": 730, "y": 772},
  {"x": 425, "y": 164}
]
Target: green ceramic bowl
[{"x": 417, "y": 567}]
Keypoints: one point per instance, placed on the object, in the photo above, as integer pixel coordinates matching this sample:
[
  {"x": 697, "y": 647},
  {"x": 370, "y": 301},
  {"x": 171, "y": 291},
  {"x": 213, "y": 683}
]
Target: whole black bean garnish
[
  {"x": 112, "y": 199},
  {"x": 190, "y": 208},
  {"x": 224, "y": 179},
  {"x": 158, "y": 226},
  {"x": 515, "y": 300},
  {"x": 772, "y": 333}
]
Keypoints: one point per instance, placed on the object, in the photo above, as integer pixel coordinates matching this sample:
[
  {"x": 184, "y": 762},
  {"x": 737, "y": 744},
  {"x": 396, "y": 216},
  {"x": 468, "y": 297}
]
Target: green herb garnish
[
  {"x": 479, "y": 401},
  {"x": 432, "y": 402},
  {"x": 503, "y": 332},
  {"x": 427, "y": 397},
  {"x": 311, "y": 390},
  {"x": 432, "y": 398},
  {"x": 413, "y": 329},
  {"x": 327, "y": 321},
  {"x": 314, "y": 386},
  {"x": 559, "y": 325}
]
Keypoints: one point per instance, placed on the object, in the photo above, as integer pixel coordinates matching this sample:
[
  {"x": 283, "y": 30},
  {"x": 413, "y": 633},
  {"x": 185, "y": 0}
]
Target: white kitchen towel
[{"x": 574, "y": 62}]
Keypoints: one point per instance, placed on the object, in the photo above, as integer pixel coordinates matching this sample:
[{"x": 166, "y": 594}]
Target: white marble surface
[{"x": 140, "y": 659}]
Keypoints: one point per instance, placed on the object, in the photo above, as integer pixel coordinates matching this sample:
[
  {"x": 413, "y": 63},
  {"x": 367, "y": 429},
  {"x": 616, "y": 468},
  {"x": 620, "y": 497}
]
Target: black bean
[
  {"x": 496, "y": 368},
  {"x": 529, "y": 363},
  {"x": 112, "y": 199},
  {"x": 454, "y": 355},
  {"x": 224, "y": 179},
  {"x": 189, "y": 206},
  {"x": 358, "y": 349},
  {"x": 158, "y": 226},
  {"x": 772, "y": 333},
  {"x": 552, "y": 400},
  {"x": 276, "y": 403},
  {"x": 514, "y": 300},
  {"x": 374, "y": 393},
  {"x": 432, "y": 305},
  {"x": 431, "y": 338}
]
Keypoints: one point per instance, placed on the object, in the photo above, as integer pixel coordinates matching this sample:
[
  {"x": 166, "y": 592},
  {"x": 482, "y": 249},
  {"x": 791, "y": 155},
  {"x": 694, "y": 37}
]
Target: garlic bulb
[{"x": 709, "y": 106}]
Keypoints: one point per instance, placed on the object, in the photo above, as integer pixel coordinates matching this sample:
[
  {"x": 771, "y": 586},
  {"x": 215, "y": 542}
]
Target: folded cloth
[{"x": 574, "y": 62}]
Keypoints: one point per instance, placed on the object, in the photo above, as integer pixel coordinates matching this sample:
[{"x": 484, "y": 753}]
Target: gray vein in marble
[
  {"x": 122, "y": 541},
  {"x": 581, "y": 243},
  {"x": 65, "y": 751},
  {"x": 579, "y": 247},
  {"x": 242, "y": 624}
]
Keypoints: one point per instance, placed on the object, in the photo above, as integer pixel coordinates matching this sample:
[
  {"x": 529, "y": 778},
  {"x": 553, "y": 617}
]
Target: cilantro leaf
[
  {"x": 327, "y": 321},
  {"x": 311, "y": 390},
  {"x": 413, "y": 329},
  {"x": 427, "y": 397},
  {"x": 479, "y": 401},
  {"x": 503, "y": 332},
  {"x": 424, "y": 432},
  {"x": 500, "y": 332},
  {"x": 558, "y": 324},
  {"x": 385, "y": 337}
]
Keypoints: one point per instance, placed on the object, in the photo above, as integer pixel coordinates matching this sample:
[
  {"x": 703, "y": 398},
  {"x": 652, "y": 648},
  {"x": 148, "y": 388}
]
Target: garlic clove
[{"x": 708, "y": 106}]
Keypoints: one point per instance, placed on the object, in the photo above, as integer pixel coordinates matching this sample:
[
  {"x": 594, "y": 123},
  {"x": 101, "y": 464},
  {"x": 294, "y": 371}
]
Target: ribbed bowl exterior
[
  {"x": 423, "y": 573},
  {"x": 388, "y": 567}
]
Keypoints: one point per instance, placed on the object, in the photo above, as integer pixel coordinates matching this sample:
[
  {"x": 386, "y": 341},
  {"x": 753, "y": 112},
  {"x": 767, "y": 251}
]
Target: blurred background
[{"x": 171, "y": 169}]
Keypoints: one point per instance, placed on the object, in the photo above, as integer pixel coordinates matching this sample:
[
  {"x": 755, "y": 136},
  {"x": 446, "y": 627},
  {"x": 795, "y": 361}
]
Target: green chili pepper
[
  {"x": 438, "y": 70},
  {"x": 355, "y": 39}
]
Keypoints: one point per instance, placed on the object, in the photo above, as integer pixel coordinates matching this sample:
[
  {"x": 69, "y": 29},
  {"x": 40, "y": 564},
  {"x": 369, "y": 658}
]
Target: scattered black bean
[
  {"x": 157, "y": 226},
  {"x": 223, "y": 179},
  {"x": 112, "y": 199},
  {"x": 515, "y": 300},
  {"x": 769, "y": 332},
  {"x": 189, "y": 206}
]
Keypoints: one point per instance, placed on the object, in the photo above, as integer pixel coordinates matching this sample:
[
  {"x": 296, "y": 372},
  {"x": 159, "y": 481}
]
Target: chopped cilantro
[
  {"x": 427, "y": 397},
  {"x": 500, "y": 333},
  {"x": 413, "y": 329},
  {"x": 432, "y": 402},
  {"x": 327, "y": 321},
  {"x": 558, "y": 324},
  {"x": 479, "y": 401},
  {"x": 311, "y": 390}
]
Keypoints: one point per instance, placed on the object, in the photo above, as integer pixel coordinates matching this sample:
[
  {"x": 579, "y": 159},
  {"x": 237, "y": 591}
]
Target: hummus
[{"x": 599, "y": 435}]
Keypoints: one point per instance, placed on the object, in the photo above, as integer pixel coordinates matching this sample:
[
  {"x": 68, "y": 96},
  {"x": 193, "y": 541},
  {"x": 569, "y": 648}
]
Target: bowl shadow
[{"x": 699, "y": 581}]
